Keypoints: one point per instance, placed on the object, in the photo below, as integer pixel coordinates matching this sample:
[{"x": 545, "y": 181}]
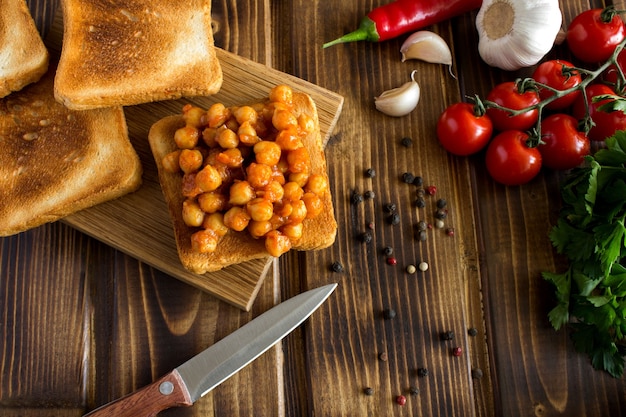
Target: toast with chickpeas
[
  {"x": 119, "y": 53},
  {"x": 245, "y": 182},
  {"x": 23, "y": 56},
  {"x": 55, "y": 162}
]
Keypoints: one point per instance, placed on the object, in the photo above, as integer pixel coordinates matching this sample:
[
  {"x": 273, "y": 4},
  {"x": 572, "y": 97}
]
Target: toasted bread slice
[
  {"x": 23, "y": 56},
  {"x": 118, "y": 53},
  {"x": 54, "y": 162},
  {"x": 237, "y": 247}
]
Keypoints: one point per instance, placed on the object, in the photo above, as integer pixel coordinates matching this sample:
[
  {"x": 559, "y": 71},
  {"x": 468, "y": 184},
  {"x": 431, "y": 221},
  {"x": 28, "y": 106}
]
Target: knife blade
[{"x": 193, "y": 379}]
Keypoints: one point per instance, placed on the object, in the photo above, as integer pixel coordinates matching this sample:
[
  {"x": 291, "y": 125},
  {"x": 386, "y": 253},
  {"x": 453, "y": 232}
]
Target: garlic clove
[
  {"x": 399, "y": 101},
  {"x": 426, "y": 46}
]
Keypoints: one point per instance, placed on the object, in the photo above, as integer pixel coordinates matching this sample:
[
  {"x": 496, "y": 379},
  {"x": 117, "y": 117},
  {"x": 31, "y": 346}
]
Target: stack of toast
[{"x": 63, "y": 133}]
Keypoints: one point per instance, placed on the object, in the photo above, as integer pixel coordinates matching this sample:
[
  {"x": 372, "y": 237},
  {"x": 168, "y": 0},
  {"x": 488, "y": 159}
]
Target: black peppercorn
[
  {"x": 441, "y": 203},
  {"x": 383, "y": 356},
  {"x": 447, "y": 335},
  {"x": 414, "y": 391},
  {"x": 368, "y": 391},
  {"x": 336, "y": 267},
  {"x": 422, "y": 225},
  {"x": 369, "y": 195},
  {"x": 420, "y": 202},
  {"x": 422, "y": 372},
  {"x": 408, "y": 178},
  {"x": 370, "y": 173},
  {"x": 390, "y": 207},
  {"x": 418, "y": 181},
  {"x": 389, "y": 313},
  {"x": 356, "y": 197},
  {"x": 387, "y": 251},
  {"x": 422, "y": 236},
  {"x": 365, "y": 237},
  {"x": 393, "y": 219},
  {"x": 477, "y": 373},
  {"x": 406, "y": 142},
  {"x": 441, "y": 214},
  {"x": 472, "y": 331}
]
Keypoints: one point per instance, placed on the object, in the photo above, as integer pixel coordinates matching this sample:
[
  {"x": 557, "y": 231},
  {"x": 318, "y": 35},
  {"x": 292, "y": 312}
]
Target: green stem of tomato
[{"x": 528, "y": 83}]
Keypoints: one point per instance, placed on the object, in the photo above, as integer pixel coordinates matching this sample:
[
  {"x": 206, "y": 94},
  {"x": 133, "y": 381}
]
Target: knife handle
[{"x": 169, "y": 391}]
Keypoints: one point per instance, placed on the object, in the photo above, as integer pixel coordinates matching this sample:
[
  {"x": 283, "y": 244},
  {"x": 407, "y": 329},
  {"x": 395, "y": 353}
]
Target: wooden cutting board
[{"x": 139, "y": 224}]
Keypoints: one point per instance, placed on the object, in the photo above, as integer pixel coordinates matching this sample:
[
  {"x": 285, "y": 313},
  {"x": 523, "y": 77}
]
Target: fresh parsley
[{"x": 591, "y": 232}]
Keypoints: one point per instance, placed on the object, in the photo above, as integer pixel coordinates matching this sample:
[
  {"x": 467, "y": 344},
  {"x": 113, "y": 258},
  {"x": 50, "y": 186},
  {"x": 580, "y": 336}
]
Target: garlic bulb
[
  {"x": 399, "y": 101},
  {"x": 426, "y": 46},
  {"x": 517, "y": 33}
]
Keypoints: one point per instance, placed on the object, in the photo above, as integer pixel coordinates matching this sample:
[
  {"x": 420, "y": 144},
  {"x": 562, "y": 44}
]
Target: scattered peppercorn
[
  {"x": 431, "y": 190},
  {"x": 422, "y": 236},
  {"x": 447, "y": 335},
  {"x": 422, "y": 372},
  {"x": 356, "y": 197},
  {"x": 418, "y": 181},
  {"x": 450, "y": 231},
  {"x": 392, "y": 261},
  {"x": 406, "y": 142},
  {"x": 408, "y": 178},
  {"x": 365, "y": 237},
  {"x": 401, "y": 400},
  {"x": 457, "y": 351},
  {"x": 411, "y": 269},
  {"x": 336, "y": 267},
  {"x": 423, "y": 266},
  {"x": 420, "y": 202},
  {"x": 477, "y": 373},
  {"x": 387, "y": 250},
  {"x": 439, "y": 224},
  {"x": 383, "y": 356},
  {"x": 389, "y": 313},
  {"x": 370, "y": 173},
  {"x": 414, "y": 391},
  {"x": 422, "y": 225},
  {"x": 368, "y": 391},
  {"x": 441, "y": 213},
  {"x": 390, "y": 207},
  {"x": 420, "y": 192},
  {"x": 370, "y": 225},
  {"x": 441, "y": 203},
  {"x": 369, "y": 195},
  {"x": 393, "y": 219},
  {"x": 472, "y": 331}
]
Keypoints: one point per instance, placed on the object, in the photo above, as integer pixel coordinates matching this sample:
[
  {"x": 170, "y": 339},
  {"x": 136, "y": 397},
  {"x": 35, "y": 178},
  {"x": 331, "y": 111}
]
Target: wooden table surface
[{"x": 82, "y": 323}]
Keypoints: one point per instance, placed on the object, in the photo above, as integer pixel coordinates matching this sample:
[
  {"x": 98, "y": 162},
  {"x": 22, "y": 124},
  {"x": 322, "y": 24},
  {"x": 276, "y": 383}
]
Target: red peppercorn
[
  {"x": 431, "y": 190},
  {"x": 450, "y": 231},
  {"x": 457, "y": 351},
  {"x": 392, "y": 261},
  {"x": 401, "y": 400}
]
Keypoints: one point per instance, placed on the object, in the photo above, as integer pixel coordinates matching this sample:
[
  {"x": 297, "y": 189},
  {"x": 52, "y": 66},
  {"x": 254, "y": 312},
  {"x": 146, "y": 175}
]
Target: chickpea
[
  {"x": 212, "y": 202},
  {"x": 190, "y": 160},
  {"x": 259, "y": 175},
  {"x": 267, "y": 152},
  {"x": 247, "y": 134},
  {"x": 293, "y": 231},
  {"x": 245, "y": 114},
  {"x": 209, "y": 136},
  {"x": 170, "y": 162},
  {"x": 192, "y": 213},
  {"x": 189, "y": 186},
  {"x": 193, "y": 115},
  {"x": 208, "y": 179},
  {"x": 314, "y": 205},
  {"x": 288, "y": 140},
  {"x": 282, "y": 165},
  {"x": 283, "y": 210},
  {"x": 260, "y": 209},
  {"x": 204, "y": 241},
  {"x": 272, "y": 192},
  {"x": 298, "y": 213},
  {"x": 292, "y": 191},
  {"x": 241, "y": 193},
  {"x": 227, "y": 138},
  {"x": 282, "y": 94},
  {"x": 259, "y": 229},
  {"x": 187, "y": 137},
  {"x": 236, "y": 218},
  {"x": 317, "y": 184},
  {"x": 217, "y": 115},
  {"x": 299, "y": 160},
  {"x": 277, "y": 243},
  {"x": 278, "y": 176},
  {"x": 284, "y": 119},
  {"x": 300, "y": 178},
  {"x": 215, "y": 222},
  {"x": 306, "y": 123},
  {"x": 232, "y": 158}
]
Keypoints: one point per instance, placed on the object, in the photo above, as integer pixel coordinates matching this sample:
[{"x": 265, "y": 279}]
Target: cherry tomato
[
  {"x": 564, "y": 146},
  {"x": 611, "y": 74},
  {"x": 509, "y": 159},
  {"x": 553, "y": 74},
  {"x": 462, "y": 130},
  {"x": 507, "y": 95},
  {"x": 593, "y": 35},
  {"x": 606, "y": 123}
]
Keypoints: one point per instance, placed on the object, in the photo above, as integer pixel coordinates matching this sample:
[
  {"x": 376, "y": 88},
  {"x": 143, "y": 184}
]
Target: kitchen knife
[{"x": 200, "y": 374}]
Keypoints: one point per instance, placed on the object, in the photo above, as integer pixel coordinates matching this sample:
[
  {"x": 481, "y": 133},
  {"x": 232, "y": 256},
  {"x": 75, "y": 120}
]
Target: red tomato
[
  {"x": 510, "y": 161},
  {"x": 463, "y": 132},
  {"x": 593, "y": 35},
  {"x": 606, "y": 123},
  {"x": 552, "y": 74},
  {"x": 564, "y": 146},
  {"x": 611, "y": 73},
  {"x": 507, "y": 95}
]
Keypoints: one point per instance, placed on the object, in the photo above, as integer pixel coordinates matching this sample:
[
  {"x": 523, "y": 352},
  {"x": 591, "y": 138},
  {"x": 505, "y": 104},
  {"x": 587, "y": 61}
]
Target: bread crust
[
  {"x": 237, "y": 247},
  {"x": 23, "y": 55},
  {"x": 118, "y": 53},
  {"x": 55, "y": 162}
]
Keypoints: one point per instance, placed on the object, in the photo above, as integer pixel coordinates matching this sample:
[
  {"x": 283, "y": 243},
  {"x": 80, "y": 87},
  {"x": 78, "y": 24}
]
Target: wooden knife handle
[{"x": 169, "y": 391}]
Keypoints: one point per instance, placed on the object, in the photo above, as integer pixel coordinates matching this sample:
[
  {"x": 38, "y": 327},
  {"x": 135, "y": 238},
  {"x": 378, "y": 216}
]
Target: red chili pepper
[{"x": 401, "y": 16}]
